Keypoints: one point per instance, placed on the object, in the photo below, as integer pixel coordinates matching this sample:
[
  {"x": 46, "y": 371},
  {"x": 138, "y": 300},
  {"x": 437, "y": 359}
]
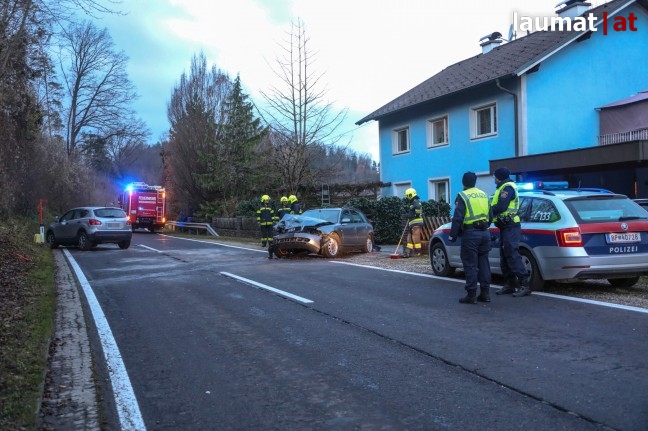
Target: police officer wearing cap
[
  {"x": 505, "y": 206},
  {"x": 471, "y": 219}
]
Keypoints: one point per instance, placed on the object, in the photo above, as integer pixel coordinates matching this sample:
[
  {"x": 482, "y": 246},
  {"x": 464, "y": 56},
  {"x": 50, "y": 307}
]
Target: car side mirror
[
  {"x": 56, "y": 219},
  {"x": 346, "y": 220}
]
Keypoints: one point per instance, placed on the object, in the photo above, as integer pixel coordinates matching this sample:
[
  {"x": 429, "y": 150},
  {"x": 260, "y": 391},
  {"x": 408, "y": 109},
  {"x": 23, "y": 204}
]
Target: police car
[{"x": 567, "y": 235}]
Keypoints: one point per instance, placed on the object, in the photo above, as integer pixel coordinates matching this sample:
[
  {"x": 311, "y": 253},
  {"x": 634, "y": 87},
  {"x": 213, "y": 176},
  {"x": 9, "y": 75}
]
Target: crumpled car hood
[{"x": 297, "y": 223}]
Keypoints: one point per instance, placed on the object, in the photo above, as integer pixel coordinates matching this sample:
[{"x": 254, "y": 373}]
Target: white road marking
[
  {"x": 130, "y": 417},
  {"x": 266, "y": 287},
  {"x": 548, "y": 295},
  {"x": 149, "y": 248}
]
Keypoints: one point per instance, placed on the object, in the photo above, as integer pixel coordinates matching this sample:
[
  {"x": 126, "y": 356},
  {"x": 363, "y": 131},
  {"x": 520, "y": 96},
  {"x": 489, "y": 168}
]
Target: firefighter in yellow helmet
[
  {"x": 414, "y": 223},
  {"x": 266, "y": 218},
  {"x": 295, "y": 206},
  {"x": 285, "y": 207}
]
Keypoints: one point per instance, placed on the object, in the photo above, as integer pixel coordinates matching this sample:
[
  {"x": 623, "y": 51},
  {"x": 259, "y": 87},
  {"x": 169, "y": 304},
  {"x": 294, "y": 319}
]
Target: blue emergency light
[{"x": 543, "y": 185}]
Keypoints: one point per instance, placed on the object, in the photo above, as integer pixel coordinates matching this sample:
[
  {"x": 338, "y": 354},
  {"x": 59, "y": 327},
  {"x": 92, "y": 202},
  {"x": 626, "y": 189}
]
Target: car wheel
[
  {"x": 623, "y": 282},
  {"x": 536, "y": 282},
  {"x": 280, "y": 252},
  {"x": 83, "y": 242},
  {"x": 124, "y": 244},
  {"x": 51, "y": 240},
  {"x": 439, "y": 261},
  {"x": 331, "y": 247},
  {"x": 368, "y": 245}
]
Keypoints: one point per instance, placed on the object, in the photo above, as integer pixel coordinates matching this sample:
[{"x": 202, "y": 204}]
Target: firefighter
[
  {"x": 285, "y": 208},
  {"x": 265, "y": 217},
  {"x": 295, "y": 206},
  {"x": 505, "y": 206},
  {"x": 471, "y": 219},
  {"x": 415, "y": 223}
]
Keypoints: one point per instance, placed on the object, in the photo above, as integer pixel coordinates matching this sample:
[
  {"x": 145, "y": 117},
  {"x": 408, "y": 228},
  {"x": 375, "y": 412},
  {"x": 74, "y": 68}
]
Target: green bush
[{"x": 387, "y": 215}]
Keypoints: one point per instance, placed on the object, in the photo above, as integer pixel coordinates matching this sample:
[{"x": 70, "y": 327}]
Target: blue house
[{"x": 533, "y": 104}]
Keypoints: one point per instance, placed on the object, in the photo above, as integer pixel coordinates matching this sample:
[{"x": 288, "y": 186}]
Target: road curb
[{"x": 69, "y": 398}]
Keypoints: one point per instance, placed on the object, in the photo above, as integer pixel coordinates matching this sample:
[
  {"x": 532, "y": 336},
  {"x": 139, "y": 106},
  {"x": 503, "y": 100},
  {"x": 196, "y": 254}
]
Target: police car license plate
[{"x": 621, "y": 238}]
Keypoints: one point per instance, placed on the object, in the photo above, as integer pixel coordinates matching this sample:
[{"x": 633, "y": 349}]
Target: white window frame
[
  {"x": 432, "y": 139},
  {"x": 474, "y": 120},
  {"x": 396, "y": 140},
  {"x": 433, "y": 188},
  {"x": 399, "y": 189}
]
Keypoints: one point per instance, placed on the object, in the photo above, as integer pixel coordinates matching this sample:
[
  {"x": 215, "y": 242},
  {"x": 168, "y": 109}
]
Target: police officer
[
  {"x": 295, "y": 206},
  {"x": 471, "y": 219},
  {"x": 415, "y": 223},
  {"x": 265, "y": 217},
  {"x": 505, "y": 206},
  {"x": 285, "y": 208}
]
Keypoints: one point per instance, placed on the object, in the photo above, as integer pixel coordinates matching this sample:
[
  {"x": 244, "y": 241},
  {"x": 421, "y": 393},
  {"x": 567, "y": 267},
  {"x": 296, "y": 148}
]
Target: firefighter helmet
[
  {"x": 292, "y": 199},
  {"x": 283, "y": 200},
  {"x": 265, "y": 198},
  {"x": 410, "y": 193}
]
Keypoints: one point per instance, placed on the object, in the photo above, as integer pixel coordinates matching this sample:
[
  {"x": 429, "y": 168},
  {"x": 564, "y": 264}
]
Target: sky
[{"x": 368, "y": 52}]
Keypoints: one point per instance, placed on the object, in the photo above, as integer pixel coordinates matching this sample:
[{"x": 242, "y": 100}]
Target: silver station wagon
[{"x": 567, "y": 235}]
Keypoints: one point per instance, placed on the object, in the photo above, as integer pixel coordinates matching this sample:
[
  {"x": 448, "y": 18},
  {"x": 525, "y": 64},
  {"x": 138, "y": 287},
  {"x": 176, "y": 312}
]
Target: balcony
[{"x": 617, "y": 138}]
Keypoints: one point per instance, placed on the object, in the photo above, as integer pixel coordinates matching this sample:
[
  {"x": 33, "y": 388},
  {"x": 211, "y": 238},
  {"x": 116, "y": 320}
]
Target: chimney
[
  {"x": 572, "y": 8},
  {"x": 490, "y": 41}
]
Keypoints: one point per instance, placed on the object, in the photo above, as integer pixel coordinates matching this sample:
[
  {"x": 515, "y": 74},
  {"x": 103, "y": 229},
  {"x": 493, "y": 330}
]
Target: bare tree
[
  {"x": 300, "y": 116},
  {"x": 97, "y": 84}
]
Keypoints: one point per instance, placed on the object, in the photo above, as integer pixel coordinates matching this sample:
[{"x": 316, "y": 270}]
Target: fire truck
[{"x": 145, "y": 206}]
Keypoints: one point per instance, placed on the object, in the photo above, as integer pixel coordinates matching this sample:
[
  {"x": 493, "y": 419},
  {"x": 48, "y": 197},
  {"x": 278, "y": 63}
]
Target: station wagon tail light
[
  {"x": 570, "y": 237},
  {"x": 94, "y": 222}
]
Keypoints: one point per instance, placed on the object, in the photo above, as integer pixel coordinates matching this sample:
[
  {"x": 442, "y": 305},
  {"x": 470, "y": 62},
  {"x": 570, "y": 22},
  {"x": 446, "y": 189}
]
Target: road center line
[
  {"x": 130, "y": 417},
  {"x": 266, "y": 287}
]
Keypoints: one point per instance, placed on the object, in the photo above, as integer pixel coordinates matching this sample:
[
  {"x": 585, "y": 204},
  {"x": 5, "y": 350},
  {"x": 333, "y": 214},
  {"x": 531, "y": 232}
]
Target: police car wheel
[
  {"x": 536, "y": 282},
  {"x": 439, "y": 261}
]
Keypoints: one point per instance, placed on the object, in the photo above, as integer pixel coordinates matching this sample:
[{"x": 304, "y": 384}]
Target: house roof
[
  {"x": 509, "y": 59},
  {"x": 642, "y": 95}
]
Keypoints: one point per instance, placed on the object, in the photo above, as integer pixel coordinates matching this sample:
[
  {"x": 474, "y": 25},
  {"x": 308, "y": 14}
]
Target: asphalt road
[{"x": 220, "y": 338}]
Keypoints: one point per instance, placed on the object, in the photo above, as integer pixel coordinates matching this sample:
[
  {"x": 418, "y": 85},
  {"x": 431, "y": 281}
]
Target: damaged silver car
[{"x": 326, "y": 231}]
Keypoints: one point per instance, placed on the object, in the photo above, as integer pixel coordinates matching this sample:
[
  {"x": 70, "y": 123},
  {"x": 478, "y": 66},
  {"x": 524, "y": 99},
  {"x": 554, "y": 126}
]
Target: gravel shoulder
[{"x": 595, "y": 290}]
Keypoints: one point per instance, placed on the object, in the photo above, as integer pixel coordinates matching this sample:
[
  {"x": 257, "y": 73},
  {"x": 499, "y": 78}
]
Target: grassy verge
[{"x": 27, "y": 311}]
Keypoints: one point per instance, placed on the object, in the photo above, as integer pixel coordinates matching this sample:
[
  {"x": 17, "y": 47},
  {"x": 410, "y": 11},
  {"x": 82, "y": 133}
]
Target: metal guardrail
[{"x": 187, "y": 225}]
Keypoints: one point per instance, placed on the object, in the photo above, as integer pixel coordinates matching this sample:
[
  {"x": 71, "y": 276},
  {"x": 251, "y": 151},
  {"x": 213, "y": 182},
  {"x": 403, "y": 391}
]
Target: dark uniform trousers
[
  {"x": 510, "y": 259},
  {"x": 475, "y": 245}
]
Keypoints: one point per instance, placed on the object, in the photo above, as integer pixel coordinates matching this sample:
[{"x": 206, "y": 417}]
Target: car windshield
[
  {"x": 331, "y": 215},
  {"x": 593, "y": 209},
  {"x": 109, "y": 213}
]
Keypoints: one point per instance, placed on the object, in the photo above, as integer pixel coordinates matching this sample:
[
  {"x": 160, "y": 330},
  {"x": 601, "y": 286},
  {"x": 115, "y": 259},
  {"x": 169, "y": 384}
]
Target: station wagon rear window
[{"x": 597, "y": 209}]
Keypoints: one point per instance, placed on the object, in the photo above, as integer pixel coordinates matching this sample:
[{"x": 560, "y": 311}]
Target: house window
[
  {"x": 399, "y": 189},
  {"x": 401, "y": 140},
  {"x": 439, "y": 190},
  {"x": 438, "y": 132},
  {"x": 484, "y": 121}
]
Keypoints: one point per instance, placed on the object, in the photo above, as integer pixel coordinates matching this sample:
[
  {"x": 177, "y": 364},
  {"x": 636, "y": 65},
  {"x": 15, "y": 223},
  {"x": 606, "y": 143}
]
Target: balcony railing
[{"x": 617, "y": 138}]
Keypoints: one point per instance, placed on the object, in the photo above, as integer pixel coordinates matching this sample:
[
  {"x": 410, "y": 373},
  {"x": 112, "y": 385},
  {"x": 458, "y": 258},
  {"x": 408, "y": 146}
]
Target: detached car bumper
[{"x": 297, "y": 241}]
